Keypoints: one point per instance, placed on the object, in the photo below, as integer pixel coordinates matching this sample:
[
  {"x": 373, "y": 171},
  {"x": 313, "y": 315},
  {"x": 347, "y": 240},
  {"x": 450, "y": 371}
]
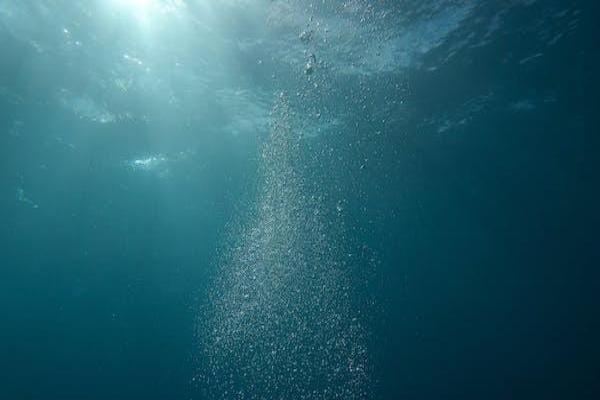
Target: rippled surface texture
[{"x": 277, "y": 199}]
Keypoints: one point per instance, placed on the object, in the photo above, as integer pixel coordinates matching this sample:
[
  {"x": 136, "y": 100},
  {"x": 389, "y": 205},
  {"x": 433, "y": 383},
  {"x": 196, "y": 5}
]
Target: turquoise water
[{"x": 356, "y": 199}]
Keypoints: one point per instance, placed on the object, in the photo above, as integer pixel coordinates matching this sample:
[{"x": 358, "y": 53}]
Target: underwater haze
[{"x": 299, "y": 199}]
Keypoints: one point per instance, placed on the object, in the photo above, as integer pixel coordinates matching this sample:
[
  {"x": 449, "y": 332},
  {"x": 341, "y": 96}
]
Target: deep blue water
[{"x": 279, "y": 199}]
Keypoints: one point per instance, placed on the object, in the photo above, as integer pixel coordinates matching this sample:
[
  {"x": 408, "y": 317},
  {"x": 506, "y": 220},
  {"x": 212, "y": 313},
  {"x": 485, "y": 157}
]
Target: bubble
[
  {"x": 21, "y": 197},
  {"x": 305, "y": 36},
  {"x": 279, "y": 322},
  {"x": 311, "y": 64}
]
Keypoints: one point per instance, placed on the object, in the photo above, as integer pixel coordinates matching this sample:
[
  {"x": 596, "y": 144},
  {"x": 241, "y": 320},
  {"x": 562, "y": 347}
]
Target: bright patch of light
[
  {"x": 142, "y": 10},
  {"x": 146, "y": 16},
  {"x": 140, "y": 5},
  {"x": 147, "y": 163}
]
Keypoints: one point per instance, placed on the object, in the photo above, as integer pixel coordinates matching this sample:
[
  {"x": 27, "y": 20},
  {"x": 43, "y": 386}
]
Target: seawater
[{"x": 280, "y": 199}]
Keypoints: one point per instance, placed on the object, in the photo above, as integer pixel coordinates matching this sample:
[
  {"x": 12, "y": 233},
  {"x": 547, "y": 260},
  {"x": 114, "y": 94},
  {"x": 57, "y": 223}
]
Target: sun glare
[
  {"x": 137, "y": 6},
  {"x": 140, "y": 4},
  {"x": 142, "y": 11}
]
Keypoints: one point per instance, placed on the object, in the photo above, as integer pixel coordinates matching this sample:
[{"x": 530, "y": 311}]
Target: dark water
[{"x": 299, "y": 200}]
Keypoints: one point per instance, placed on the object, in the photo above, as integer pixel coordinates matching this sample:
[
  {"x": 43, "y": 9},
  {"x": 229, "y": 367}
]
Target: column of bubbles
[{"x": 279, "y": 321}]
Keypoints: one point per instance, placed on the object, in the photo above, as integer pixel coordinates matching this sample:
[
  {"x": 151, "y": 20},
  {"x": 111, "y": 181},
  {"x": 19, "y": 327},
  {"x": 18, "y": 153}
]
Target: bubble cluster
[{"x": 279, "y": 323}]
